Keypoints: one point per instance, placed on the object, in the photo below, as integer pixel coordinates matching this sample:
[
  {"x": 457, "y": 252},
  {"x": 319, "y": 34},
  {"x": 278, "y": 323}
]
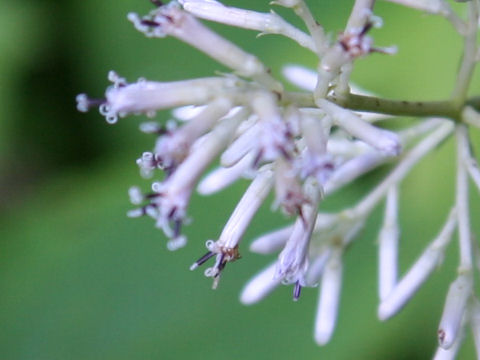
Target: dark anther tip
[
  {"x": 204, "y": 258},
  {"x": 296, "y": 291},
  {"x": 150, "y": 23},
  {"x": 157, "y": 3}
]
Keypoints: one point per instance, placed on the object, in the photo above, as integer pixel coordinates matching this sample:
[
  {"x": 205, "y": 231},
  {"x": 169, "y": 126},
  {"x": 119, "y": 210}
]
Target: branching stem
[{"x": 450, "y": 109}]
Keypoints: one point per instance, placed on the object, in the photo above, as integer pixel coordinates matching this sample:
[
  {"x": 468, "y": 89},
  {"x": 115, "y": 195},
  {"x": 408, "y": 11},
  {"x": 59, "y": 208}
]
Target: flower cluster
[{"x": 303, "y": 147}]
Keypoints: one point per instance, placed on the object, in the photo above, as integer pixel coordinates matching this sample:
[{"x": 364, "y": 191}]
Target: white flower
[
  {"x": 172, "y": 20},
  {"x": 261, "y": 285},
  {"x": 173, "y": 147},
  {"x": 419, "y": 271},
  {"x": 226, "y": 248},
  {"x": 222, "y": 177},
  {"x": 388, "y": 246},
  {"x": 171, "y": 197},
  {"x": 266, "y": 23},
  {"x": 293, "y": 260},
  {"x": 455, "y": 306},
  {"x": 146, "y": 97}
]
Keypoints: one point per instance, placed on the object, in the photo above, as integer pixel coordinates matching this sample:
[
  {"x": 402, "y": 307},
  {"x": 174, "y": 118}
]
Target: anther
[
  {"x": 152, "y": 128},
  {"x": 177, "y": 228},
  {"x": 150, "y": 23},
  {"x": 202, "y": 260},
  {"x": 157, "y": 3},
  {"x": 302, "y": 217},
  {"x": 343, "y": 45},
  {"x": 172, "y": 212},
  {"x": 169, "y": 170},
  {"x": 366, "y": 28},
  {"x": 284, "y": 152},
  {"x": 297, "y": 290},
  {"x": 84, "y": 103},
  {"x": 258, "y": 158},
  {"x": 151, "y": 196},
  {"x": 221, "y": 264}
]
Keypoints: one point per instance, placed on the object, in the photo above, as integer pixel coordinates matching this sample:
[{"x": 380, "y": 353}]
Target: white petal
[
  {"x": 240, "y": 147},
  {"x": 300, "y": 76},
  {"x": 455, "y": 305},
  {"x": 328, "y": 300},
  {"x": 471, "y": 116},
  {"x": 293, "y": 260},
  {"x": 316, "y": 267},
  {"x": 388, "y": 246},
  {"x": 352, "y": 169},
  {"x": 146, "y": 96},
  {"x": 419, "y": 272},
  {"x": 222, "y": 177},
  {"x": 246, "y": 208},
  {"x": 450, "y": 354},
  {"x": 260, "y": 285},
  {"x": 185, "y": 113},
  {"x": 452, "y": 351},
  {"x": 475, "y": 324},
  {"x": 272, "y": 241}
]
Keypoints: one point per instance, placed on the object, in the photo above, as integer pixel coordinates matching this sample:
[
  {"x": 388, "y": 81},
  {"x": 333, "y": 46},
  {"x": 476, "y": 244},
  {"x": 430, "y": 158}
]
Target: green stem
[
  {"x": 398, "y": 107},
  {"x": 443, "y": 108}
]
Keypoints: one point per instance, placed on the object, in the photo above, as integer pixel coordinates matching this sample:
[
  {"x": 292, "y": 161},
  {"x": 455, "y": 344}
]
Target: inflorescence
[{"x": 302, "y": 147}]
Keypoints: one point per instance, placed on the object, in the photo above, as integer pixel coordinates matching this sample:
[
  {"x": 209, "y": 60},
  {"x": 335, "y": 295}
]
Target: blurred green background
[{"x": 78, "y": 280}]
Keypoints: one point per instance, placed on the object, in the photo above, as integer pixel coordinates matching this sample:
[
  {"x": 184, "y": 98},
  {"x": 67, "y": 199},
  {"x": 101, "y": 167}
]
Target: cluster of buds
[{"x": 301, "y": 146}]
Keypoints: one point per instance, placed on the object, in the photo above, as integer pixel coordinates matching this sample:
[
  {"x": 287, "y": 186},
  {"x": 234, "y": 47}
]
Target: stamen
[
  {"x": 221, "y": 264},
  {"x": 297, "y": 290},
  {"x": 136, "y": 212},
  {"x": 344, "y": 45},
  {"x": 117, "y": 80},
  {"x": 284, "y": 152},
  {"x": 217, "y": 270},
  {"x": 84, "y": 103},
  {"x": 142, "y": 211},
  {"x": 176, "y": 243},
  {"x": 391, "y": 50},
  {"x": 152, "y": 128},
  {"x": 152, "y": 195},
  {"x": 202, "y": 260},
  {"x": 257, "y": 160},
  {"x": 171, "y": 214},
  {"x": 150, "y": 23},
  {"x": 177, "y": 228},
  {"x": 302, "y": 216},
  {"x": 169, "y": 170},
  {"x": 366, "y": 28},
  {"x": 135, "y": 195},
  {"x": 157, "y": 3}
]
